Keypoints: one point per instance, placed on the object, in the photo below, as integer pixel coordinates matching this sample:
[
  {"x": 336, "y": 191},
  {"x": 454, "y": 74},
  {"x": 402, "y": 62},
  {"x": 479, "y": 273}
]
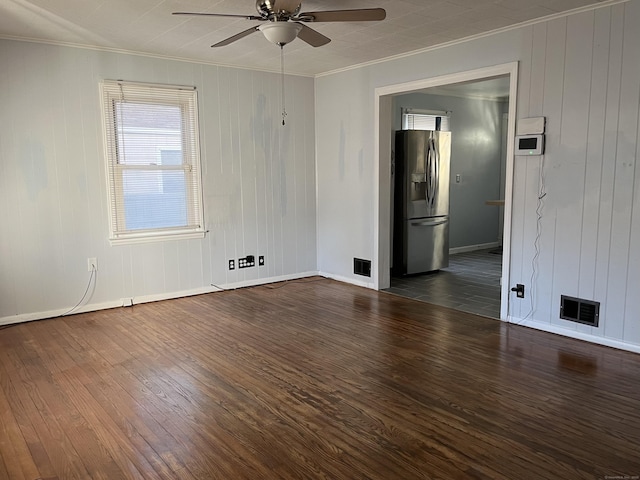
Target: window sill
[{"x": 156, "y": 237}]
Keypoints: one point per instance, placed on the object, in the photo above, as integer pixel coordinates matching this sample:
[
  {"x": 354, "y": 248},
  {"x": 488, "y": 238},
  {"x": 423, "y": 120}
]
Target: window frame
[
  {"x": 444, "y": 116},
  {"x": 113, "y": 91}
]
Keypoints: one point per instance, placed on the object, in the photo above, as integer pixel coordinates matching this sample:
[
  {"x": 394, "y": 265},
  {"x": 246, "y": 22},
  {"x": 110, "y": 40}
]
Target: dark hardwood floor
[{"x": 312, "y": 379}]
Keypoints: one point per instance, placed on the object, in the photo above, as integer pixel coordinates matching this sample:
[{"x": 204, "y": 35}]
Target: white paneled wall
[
  {"x": 585, "y": 79},
  {"x": 258, "y": 180},
  {"x": 582, "y": 72}
]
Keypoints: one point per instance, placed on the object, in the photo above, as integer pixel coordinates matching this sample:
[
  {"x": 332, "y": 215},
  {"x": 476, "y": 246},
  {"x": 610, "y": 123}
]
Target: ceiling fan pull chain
[{"x": 284, "y": 111}]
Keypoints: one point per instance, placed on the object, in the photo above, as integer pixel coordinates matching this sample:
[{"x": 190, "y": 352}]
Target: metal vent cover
[
  {"x": 579, "y": 310},
  {"x": 362, "y": 267}
]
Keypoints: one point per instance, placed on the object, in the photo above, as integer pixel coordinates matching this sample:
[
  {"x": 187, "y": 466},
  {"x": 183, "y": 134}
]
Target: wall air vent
[
  {"x": 580, "y": 310},
  {"x": 362, "y": 267}
]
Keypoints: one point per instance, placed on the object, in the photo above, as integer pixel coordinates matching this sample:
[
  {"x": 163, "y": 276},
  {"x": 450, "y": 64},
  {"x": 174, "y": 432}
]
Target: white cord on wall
[
  {"x": 536, "y": 243},
  {"x": 92, "y": 277}
]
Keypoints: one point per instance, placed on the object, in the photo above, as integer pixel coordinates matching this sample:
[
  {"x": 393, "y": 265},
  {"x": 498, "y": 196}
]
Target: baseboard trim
[
  {"x": 130, "y": 301},
  {"x": 263, "y": 281},
  {"x": 30, "y": 317},
  {"x": 546, "y": 327},
  {"x": 352, "y": 281},
  {"x": 473, "y": 248}
]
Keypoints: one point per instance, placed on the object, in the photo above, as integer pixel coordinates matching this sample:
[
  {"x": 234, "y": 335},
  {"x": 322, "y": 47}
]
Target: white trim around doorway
[{"x": 382, "y": 174}]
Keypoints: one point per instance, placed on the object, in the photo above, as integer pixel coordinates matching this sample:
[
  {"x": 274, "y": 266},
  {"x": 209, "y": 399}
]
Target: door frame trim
[{"x": 382, "y": 171}]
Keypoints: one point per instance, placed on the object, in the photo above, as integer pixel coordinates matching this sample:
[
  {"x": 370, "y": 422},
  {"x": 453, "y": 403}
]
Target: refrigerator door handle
[
  {"x": 436, "y": 171},
  {"x": 429, "y": 223},
  {"x": 428, "y": 193},
  {"x": 431, "y": 173}
]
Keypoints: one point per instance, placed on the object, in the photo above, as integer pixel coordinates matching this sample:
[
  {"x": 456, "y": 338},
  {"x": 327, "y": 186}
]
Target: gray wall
[
  {"x": 258, "y": 182},
  {"x": 475, "y": 156}
]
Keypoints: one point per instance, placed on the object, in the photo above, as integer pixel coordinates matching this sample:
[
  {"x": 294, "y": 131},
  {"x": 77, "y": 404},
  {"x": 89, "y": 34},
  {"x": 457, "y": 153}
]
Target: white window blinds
[
  {"x": 425, "y": 121},
  {"x": 153, "y": 161}
]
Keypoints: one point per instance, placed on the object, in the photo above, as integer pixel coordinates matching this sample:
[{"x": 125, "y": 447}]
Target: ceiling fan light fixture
[{"x": 280, "y": 33}]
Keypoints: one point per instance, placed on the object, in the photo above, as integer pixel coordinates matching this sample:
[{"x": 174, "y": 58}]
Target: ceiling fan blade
[
  {"x": 312, "y": 37},
  {"x": 198, "y": 14},
  {"x": 235, "y": 37},
  {"x": 361, "y": 15}
]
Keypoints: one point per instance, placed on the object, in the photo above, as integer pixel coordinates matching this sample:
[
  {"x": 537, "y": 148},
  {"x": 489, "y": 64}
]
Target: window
[
  {"x": 425, "y": 120},
  {"x": 153, "y": 161}
]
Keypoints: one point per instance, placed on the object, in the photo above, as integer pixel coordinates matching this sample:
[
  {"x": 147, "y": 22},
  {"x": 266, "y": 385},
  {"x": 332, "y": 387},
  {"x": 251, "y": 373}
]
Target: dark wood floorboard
[{"x": 311, "y": 379}]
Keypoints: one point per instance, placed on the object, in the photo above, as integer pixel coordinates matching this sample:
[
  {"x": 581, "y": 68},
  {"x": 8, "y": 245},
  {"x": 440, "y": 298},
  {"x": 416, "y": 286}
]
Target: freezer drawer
[{"x": 425, "y": 245}]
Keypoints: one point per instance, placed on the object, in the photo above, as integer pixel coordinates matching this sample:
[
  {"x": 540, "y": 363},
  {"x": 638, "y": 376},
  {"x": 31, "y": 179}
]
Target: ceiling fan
[{"x": 285, "y": 22}]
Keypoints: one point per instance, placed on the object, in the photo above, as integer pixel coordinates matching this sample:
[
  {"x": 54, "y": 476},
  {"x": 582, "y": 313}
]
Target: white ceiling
[{"x": 147, "y": 26}]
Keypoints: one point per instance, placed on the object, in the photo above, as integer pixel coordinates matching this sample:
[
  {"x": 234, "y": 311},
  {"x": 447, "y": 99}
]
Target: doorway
[{"x": 498, "y": 264}]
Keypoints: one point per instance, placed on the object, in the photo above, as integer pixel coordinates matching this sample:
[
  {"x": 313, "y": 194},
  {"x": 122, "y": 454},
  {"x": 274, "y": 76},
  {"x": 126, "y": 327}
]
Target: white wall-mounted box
[{"x": 531, "y": 126}]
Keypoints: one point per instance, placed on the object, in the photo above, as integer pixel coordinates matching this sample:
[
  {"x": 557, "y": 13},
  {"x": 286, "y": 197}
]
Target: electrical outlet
[
  {"x": 246, "y": 262},
  {"x": 92, "y": 264},
  {"x": 261, "y": 260},
  {"x": 232, "y": 264}
]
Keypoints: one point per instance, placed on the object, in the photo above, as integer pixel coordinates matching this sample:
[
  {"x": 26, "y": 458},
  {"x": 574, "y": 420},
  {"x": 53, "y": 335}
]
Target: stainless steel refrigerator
[{"x": 421, "y": 201}]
